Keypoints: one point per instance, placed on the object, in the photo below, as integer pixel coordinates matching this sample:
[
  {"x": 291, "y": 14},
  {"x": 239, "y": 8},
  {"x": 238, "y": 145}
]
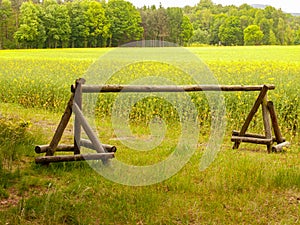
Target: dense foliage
[{"x": 92, "y": 23}]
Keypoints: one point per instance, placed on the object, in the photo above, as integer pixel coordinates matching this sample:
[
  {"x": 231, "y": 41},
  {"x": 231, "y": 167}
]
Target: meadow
[{"x": 247, "y": 186}]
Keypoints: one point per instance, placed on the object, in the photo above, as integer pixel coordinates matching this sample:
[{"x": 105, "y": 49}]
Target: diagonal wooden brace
[
  {"x": 250, "y": 116},
  {"x": 61, "y": 127}
]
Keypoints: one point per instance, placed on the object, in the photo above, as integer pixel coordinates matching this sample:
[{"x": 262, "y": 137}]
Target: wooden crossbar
[{"x": 171, "y": 88}]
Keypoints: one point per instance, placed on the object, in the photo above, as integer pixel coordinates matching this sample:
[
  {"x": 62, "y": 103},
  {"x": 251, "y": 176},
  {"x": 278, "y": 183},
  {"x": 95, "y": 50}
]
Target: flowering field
[
  {"x": 42, "y": 78},
  {"x": 239, "y": 187}
]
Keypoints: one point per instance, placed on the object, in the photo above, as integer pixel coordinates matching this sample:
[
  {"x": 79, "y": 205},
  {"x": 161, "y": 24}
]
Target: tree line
[{"x": 94, "y": 23}]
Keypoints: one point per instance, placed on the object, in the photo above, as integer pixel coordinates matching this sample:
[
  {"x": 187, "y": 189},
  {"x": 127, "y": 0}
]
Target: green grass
[{"x": 247, "y": 186}]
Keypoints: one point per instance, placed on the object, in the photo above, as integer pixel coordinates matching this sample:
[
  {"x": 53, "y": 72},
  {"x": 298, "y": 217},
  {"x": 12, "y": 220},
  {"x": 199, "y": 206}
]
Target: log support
[
  {"x": 270, "y": 121},
  {"x": 104, "y": 152}
]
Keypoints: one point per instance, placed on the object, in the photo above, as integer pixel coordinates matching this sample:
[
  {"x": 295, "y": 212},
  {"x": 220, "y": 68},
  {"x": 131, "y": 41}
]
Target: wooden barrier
[
  {"x": 107, "y": 151},
  {"x": 104, "y": 152}
]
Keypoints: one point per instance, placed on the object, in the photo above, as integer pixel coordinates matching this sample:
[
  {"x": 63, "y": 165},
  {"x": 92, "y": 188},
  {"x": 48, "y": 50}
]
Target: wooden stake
[
  {"x": 278, "y": 135},
  {"x": 61, "y": 127},
  {"x": 88, "y": 130},
  {"x": 77, "y": 126},
  {"x": 254, "y": 109},
  {"x": 267, "y": 123}
]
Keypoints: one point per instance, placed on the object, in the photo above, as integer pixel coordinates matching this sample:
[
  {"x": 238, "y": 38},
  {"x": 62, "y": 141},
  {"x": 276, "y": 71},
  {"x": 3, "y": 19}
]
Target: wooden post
[
  {"x": 88, "y": 130},
  {"x": 254, "y": 109},
  {"x": 61, "y": 127},
  {"x": 267, "y": 123},
  {"x": 278, "y": 135},
  {"x": 77, "y": 126}
]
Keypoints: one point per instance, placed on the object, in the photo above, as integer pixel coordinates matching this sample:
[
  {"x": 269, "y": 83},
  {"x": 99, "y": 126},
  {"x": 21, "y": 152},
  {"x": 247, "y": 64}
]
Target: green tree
[
  {"x": 230, "y": 32},
  {"x": 281, "y": 28},
  {"x": 78, "y": 23},
  {"x": 259, "y": 16},
  {"x": 5, "y": 14},
  {"x": 266, "y": 26},
  {"x": 125, "y": 22},
  {"x": 205, "y": 4},
  {"x": 147, "y": 17},
  {"x": 162, "y": 21},
  {"x": 57, "y": 23},
  {"x": 175, "y": 19},
  {"x": 297, "y": 37},
  {"x": 218, "y": 20},
  {"x": 98, "y": 25},
  {"x": 289, "y": 35},
  {"x": 272, "y": 38},
  {"x": 200, "y": 37},
  {"x": 253, "y": 35},
  {"x": 155, "y": 23},
  {"x": 31, "y": 33},
  {"x": 186, "y": 30}
]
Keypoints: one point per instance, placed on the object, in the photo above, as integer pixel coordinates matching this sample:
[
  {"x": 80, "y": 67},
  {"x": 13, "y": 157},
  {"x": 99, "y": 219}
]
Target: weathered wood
[
  {"x": 88, "y": 130},
  {"x": 88, "y": 144},
  {"x": 61, "y": 127},
  {"x": 267, "y": 122},
  {"x": 279, "y": 147},
  {"x": 77, "y": 126},
  {"x": 237, "y": 133},
  {"x": 278, "y": 135},
  {"x": 250, "y": 116},
  {"x": 60, "y": 148},
  {"x": 252, "y": 140},
  {"x": 70, "y": 148},
  {"x": 70, "y": 158},
  {"x": 171, "y": 88}
]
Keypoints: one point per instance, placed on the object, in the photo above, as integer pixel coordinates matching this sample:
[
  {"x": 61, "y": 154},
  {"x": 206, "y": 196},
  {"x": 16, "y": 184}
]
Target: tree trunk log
[
  {"x": 88, "y": 130},
  {"x": 171, "y": 88},
  {"x": 237, "y": 133},
  {"x": 89, "y": 144},
  {"x": 252, "y": 140},
  {"x": 71, "y": 158},
  {"x": 61, "y": 127},
  {"x": 278, "y": 135}
]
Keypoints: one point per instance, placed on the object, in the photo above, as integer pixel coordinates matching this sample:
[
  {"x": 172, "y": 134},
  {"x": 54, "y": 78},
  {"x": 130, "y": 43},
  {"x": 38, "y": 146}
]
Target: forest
[{"x": 91, "y": 23}]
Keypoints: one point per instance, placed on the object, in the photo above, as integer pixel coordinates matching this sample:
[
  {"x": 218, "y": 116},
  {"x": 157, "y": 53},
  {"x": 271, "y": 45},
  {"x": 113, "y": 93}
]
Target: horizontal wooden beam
[
  {"x": 71, "y": 158},
  {"x": 252, "y": 140},
  {"x": 88, "y": 144},
  {"x": 70, "y": 148},
  {"x": 60, "y": 148},
  {"x": 170, "y": 88},
  {"x": 237, "y": 133}
]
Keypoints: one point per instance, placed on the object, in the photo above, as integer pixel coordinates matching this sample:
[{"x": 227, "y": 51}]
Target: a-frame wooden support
[
  {"x": 104, "y": 152},
  {"x": 269, "y": 119}
]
